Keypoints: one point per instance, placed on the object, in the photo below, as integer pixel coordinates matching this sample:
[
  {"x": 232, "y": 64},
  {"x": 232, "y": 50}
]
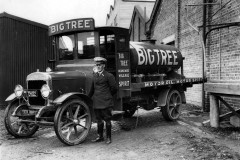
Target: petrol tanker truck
[{"x": 148, "y": 76}]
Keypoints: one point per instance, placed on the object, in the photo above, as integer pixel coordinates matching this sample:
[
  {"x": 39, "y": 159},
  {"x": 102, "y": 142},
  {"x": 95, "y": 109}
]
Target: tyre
[
  {"x": 171, "y": 111},
  {"x": 129, "y": 110},
  {"x": 72, "y": 122},
  {"x": 17, "y": 125}
]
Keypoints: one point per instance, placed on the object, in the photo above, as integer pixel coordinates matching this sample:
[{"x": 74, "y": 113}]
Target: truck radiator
[{"x": 36, "y": 86}]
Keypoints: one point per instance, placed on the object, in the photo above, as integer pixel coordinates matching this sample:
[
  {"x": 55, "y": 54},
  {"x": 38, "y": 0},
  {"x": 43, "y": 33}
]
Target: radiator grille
[{"x": 36, "y": 85}]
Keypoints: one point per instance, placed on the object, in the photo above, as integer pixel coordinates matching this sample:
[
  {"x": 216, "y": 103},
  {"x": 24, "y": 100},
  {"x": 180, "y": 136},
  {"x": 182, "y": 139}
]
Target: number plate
[{"x": 32, "y": 93}]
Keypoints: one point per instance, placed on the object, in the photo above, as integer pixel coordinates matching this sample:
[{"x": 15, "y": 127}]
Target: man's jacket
[{"x": 104, "y": 88}]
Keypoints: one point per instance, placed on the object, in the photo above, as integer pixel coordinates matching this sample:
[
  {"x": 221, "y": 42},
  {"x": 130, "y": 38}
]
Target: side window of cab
[{"x": 107, "y": 49}]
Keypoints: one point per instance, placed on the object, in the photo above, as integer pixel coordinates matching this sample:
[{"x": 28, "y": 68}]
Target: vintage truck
[{"x": 147, "y": 75}]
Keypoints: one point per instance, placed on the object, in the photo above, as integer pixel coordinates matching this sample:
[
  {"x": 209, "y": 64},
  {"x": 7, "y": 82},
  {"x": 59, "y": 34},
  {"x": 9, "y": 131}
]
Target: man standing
[{"x": 104, "y": 88}]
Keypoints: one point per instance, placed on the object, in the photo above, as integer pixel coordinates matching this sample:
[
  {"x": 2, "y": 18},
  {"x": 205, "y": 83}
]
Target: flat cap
[{"x": 100, "y": 59}]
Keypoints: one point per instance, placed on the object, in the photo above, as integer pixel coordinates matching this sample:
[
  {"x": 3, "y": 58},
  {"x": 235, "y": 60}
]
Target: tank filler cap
[{"x": 151, "y": 41}]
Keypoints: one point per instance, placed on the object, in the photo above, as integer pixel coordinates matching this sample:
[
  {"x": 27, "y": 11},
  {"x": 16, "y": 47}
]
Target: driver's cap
[{"x": 100, "y": 59}]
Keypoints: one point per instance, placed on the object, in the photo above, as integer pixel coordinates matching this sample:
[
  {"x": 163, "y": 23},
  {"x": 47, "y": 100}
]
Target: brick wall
[
  {"x": 165, "y": 23},
  {"x": 222, "y": 46},
  {"x": 187, "y": 39},
  {"x": 191, "y": 48}
]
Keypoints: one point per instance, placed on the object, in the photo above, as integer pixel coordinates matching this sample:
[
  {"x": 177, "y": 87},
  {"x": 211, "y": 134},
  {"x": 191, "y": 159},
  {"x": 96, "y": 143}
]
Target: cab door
[
  {"x": 123, "y": 65},
  {"x": 114, "y": 46}
]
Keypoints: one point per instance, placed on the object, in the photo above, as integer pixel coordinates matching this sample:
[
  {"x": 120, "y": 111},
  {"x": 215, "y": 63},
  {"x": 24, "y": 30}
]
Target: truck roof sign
[{"x": 72, "y": 25}]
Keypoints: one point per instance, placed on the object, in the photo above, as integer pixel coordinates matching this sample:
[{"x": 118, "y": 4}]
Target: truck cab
[
  {"x": 78, "y": 41},
  {"x": 75, "y": 48}
]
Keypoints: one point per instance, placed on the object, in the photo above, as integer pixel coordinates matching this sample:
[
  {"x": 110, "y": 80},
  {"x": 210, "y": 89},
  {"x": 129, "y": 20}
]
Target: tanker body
[
  {"x": 156, "y": 80},
  {"x": 147, "y": 58}
]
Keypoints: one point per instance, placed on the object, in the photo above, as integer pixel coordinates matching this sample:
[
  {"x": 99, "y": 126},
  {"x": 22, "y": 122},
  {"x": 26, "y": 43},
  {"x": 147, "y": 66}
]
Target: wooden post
[{"x": 214, "y": 111}]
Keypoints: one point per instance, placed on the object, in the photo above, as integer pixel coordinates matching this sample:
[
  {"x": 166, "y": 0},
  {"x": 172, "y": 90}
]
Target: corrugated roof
[{"x": 4, "y": 14}]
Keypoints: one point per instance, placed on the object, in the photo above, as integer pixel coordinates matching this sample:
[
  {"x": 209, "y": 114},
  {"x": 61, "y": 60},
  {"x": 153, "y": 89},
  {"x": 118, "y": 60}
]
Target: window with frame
[
  {"x": 86, "y": 45},
  {"x": 77, "y": 46},
  {"x": 107, "y": 44},
  {"x": 66, "y": 47},
  {"x": 107, "y": 49}
]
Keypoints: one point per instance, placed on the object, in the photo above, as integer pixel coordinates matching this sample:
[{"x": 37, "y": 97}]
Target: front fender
[
  {"x": 11, "y": 97},
  {"x": 59, "y": 100}
]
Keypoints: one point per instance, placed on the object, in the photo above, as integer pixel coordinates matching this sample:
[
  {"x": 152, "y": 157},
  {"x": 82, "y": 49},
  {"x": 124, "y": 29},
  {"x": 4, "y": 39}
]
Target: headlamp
[
  {"x": 48, "y": 69},
  {"x": 45, "y": 91},
  {"x": 18, "y": 91}
]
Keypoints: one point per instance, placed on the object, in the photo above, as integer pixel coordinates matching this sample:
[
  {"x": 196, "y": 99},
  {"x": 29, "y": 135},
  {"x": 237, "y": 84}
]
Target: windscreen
[{"x": 77, "y": 46}]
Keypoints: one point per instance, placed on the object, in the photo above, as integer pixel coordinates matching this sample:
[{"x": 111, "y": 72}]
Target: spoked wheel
[
  {"x": 171, "y": 111},
  {"x": 18, "y": 125},
  {"x": 72, "y": 122},
  {"x": 129, "y": 110}
]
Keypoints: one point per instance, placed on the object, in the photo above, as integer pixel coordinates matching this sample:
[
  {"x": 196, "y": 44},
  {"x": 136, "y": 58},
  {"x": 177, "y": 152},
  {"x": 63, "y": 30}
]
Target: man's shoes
[
  {"x": 98, "y": 139},
  {"x": 108, "y": 141}
]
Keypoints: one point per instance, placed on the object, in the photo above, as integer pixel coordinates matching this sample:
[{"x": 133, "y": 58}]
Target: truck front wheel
[
  {"x": 72, "y": 122},
  {"x": 171, "y": 111},
  {"x": 19, "y": 125}
]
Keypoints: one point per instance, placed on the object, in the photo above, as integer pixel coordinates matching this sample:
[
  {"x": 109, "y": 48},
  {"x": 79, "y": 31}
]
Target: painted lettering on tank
[
  {"x": 147, "y": 56},
  {"x": 150, "y": 56},
  {"x": 164, "y": 57},
  {"x": 174, "y": 58},
  {"x": 141, "y": 57},
  {"x": 169, "y": 54},
  {"x": 158, "y": 56}
]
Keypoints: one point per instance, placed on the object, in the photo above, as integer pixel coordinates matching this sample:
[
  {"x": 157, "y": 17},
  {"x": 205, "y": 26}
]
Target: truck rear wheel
[
  {"x": 171, "y": 111},
  {"x": 72, "y": 122},
  {"x": 17, "y": 125}
]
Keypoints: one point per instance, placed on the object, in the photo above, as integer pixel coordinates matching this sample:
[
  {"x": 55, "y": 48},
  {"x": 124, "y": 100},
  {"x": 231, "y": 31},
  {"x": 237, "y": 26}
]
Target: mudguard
[
  {"x": 64, "y": 97},
  {"x": 61, "y": 99},
  {"x": 162, "y": 97},
  {"x": 11, "y": 97}
]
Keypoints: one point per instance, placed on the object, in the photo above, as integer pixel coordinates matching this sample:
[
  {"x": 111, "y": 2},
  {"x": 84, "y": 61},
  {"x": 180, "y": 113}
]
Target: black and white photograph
[{"x": 120, "y": 80}]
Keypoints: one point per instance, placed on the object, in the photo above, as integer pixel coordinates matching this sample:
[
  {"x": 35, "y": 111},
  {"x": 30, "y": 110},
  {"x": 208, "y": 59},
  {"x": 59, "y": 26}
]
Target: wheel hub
[{"x": 75, "y": 121}]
